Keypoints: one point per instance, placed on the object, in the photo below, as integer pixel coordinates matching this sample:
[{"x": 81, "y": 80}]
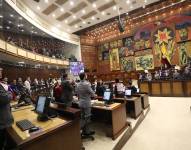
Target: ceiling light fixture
[
  {"x": 84, "y": 22},
  {"x": 46, "y": 1},
  {"x": 61, "y": 9},
  {"x": 1, "y": 27},
  {"x": 93, "y": 18},
  {"x": 38, "y": 7},
  {"x": 8, "y": 27},
  {"x": 74, "y": 16},
  {"x": 83, "y": 11},
  {"x": 71, "y": 3},
  {"x": 103, "y": 12},
  {"x": 66, "y": 21},
  {"x": 114, "y": 7},
  {"x": 20, "y": 18},
  {"x": 128, "y": 1},
  {"x": 11, "y": 15},
  {"x": 94, "y": 5},
  {"x": 53, "y": 15}
]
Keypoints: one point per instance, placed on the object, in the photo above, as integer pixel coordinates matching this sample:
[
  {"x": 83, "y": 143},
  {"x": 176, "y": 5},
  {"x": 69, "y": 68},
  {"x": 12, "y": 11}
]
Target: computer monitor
[
  {"x": 107, "y": 96},
  {"x": 42, "y": 105},
  {"x": 127, "y": 92}
]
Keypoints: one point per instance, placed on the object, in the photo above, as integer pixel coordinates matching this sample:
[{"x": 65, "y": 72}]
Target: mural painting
[
  {"x": 144, "y": 62},
  {"x": 114, "y": 59}
]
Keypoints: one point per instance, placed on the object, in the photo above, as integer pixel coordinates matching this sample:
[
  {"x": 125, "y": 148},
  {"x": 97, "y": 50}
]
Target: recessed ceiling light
[
  {"x": 128, "y": 1},
  {"x": 1, "y": 27},
  {"x": 38, "y": 7},
  {"x": 76, "y": 26},
  {"x": 94, "y": 5},
  {"x": 8, "y": 27},
  {"x": 103, "y": 12},
  {"x": 84, "y": 22},
  {"x": 46, "y": 1},
  {"x": 71, "y": 3},
  {"x": 9, "y": 22},
  {"x": 61, "y": 9},
  {"x": 93, "y": 18},
  {"x": 83, "y": 11},
  {"x": 11, "y": 15},
  {"x": 20, "y": 18},
  {"x": 114, "y": 7},
  {"x": 22, "y": 30},
  {"x": 1, "y": 16},
  {"x": 127, "y": 13},
  {"x": 66, "y": 21},
  {"x": 74, "y": 16},
  {"x": 145, "y": 1},
  {"x": 53, "y": 15}
]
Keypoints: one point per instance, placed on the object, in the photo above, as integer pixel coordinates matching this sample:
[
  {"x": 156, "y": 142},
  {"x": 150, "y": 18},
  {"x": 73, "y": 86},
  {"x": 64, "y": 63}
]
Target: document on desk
[{"x": 32, "y": 117}]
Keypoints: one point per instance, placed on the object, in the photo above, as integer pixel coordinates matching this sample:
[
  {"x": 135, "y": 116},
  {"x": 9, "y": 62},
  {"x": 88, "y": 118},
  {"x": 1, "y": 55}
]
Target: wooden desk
[
  {"x": 114, "y": 117},
  {"x": 144, "y": 99},
  {"x": 116, "y": 120},
  {"x": 133, "y": 105},
  {"x": 57, "y": 133}
]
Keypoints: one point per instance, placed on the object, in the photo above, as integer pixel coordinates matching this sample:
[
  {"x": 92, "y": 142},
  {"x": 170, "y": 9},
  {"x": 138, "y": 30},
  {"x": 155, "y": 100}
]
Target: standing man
[
  {"x": 28, "y": 85},
  {"x": 85, "y": 92},
  {"x": 67, "y": 91},
  {"x": 5, "y": 112}
]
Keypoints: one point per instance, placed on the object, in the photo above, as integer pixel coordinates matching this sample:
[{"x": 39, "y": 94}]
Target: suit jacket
[
  {"x": 5, "y": 110},
  {"x": 67, "y": 93},
  {"x": 84, "y": 92}
]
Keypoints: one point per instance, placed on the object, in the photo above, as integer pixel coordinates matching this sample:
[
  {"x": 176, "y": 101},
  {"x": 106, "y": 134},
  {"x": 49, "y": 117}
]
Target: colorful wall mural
[
  {"x": 151, "y": 44},
  {"x": 114, "y": 59}
]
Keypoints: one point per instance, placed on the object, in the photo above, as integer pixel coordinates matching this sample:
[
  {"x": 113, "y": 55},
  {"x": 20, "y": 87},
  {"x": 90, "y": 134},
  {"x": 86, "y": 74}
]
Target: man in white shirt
[
  {"x": 119, "y": 88},
  {"x": 28, "y": 85}
]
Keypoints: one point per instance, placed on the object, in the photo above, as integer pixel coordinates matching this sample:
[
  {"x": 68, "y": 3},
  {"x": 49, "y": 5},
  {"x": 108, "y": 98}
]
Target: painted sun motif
[{"x": 163, "y": 36}]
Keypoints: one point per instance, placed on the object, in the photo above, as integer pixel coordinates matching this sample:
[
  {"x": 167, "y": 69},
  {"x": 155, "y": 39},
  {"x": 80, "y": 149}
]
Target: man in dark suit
[
  {"x": 67, "y": 91},
  {"x": 5, "y": 112}
]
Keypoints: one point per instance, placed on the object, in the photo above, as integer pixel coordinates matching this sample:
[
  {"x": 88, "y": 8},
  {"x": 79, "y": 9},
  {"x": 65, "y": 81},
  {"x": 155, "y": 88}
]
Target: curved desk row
[{"x": 167, "y": 88}]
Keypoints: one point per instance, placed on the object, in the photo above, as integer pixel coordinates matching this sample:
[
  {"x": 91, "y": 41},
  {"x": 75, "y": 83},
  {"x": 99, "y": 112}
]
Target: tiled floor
[{"x": 166, "y": 127}]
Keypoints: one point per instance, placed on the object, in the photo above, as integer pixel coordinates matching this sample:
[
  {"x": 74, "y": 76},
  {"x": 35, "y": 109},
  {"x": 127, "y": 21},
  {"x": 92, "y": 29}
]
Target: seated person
[
  {"x": 100, "y": 89},
  {"x": 176, "y": 74},
  {"x": 119, "y": 88},
  {"x": 157, "y": 75},
  {"x": 14, "y": 89},
  {"x": 131, "y": 87}
]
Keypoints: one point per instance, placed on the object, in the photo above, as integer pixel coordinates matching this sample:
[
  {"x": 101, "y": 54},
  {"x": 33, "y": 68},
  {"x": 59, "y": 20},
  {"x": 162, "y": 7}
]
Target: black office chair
[{"x": 84, "y": 125}]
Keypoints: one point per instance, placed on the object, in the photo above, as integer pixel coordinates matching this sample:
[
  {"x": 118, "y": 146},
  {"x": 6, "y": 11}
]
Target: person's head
[
  {"x": 116, "y": 80},
  {"x": 129, "y": 83},
  {"x": 28, "y": 78},
  {"x": 82, "y": 76},
  {"x": 64, "y": 76},
  {"x": 14, "y": 82},
  {"x": 5, "y": 80}
]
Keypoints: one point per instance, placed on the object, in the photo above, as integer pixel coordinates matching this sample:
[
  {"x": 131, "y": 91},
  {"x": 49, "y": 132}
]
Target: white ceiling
[{"x": 91, "y": 5}]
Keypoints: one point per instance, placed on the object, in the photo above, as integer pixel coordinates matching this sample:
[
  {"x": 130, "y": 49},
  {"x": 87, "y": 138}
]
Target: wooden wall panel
[
  {"x": 144, "y": 86},
  {"x": 156, "y": 88},
  {"x": 188, "y": 88},
  {"x": 177, "y": 88},
  {"x": 166, "y": 88}
]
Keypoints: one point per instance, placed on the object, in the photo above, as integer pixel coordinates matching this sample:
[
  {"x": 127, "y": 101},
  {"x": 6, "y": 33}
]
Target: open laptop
[{"x": 128, "y": 93}]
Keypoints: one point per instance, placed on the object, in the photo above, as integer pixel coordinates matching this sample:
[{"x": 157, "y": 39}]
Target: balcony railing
[{"x": 26, "y": 54}]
